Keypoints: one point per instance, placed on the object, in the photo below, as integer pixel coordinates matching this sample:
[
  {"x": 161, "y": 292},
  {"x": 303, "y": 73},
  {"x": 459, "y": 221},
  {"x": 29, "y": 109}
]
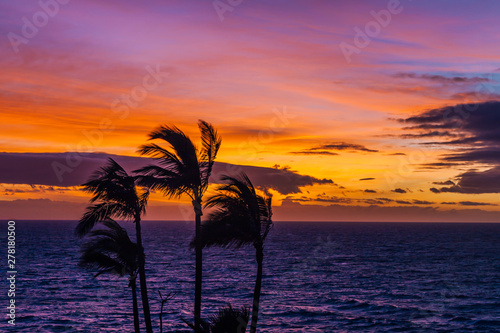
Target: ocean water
[{"x": 318, "y": 277}]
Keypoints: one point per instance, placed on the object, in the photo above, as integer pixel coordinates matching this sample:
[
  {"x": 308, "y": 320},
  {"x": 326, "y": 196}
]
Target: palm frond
[
  {"x": 102, "y": 263},
  {"x": 211, "y": 143},
  {"x": 156, "y": 171},
  {"x": 156, "y": 151},
  {"x": 110, "y": 250},
  {"x": 111, "y": 183},
  {"x": 242, "y": 215},
  {"x": 266, "y": 220},
  {"x": 143, "y": 200},
  {"x": 226, "y": 320},
  {"x": 229, "y": 320},
  {"x": 178, "y": 169},
  {"x": 225, "y": 229},
  {"x": 98, "y": 213},
  {"x": 179, "y": 142},
  {"x": 157, "y": 178},
  {"x": 116, "y": 195}
]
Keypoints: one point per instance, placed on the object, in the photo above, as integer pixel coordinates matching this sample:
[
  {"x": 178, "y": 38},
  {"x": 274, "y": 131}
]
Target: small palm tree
[
  {"x": 115, "y": 195},
  {"x": 226, "y": 320},
  {"x": 111, "y": 251},
  {"x": 241, "y": 217},
  {"x": 182, "y": 169},
  {"x": 229, "y": 320}
]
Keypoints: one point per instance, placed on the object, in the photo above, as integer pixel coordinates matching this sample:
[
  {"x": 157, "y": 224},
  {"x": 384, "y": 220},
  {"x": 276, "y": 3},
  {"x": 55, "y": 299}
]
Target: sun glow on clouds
[{"x": 270, "y": 77}]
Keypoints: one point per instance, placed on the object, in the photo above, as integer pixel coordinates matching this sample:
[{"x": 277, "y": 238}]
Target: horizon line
[{"x": 281, "y": 221}]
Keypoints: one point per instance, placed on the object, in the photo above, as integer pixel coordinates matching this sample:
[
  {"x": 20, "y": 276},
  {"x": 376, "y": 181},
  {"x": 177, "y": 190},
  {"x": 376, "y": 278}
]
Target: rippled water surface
[{"x": 318, "y": 277}]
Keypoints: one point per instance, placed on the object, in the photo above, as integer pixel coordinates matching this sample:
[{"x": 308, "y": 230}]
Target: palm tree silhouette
[
  {"x": 226, "y": 320},
  {"x": 241, "y": 217},
  {"x": 183, "y": 169},
  {"x": 117, "y": 196},
  {"x": 111, "y": 251}
]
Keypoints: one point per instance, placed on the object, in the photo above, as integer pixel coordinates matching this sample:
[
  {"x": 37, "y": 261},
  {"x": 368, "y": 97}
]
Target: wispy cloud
[
  {"x": 344, "y": 146},
  {"x": 474, "y": 203},
  {"x": 330, "y": 148},
  {"x": 314, "y": 152},
  {"x": 443, "y": 79}
]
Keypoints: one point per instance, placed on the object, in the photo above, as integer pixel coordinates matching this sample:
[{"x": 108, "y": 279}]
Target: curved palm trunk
[
  {"x": 256, "y": 292},
  {"x": 199, "y": 272},
  {"x": 136, "y": 309},
  {"x": 142, "y": 278}
]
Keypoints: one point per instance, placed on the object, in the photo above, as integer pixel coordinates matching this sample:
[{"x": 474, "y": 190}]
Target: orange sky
[{"x": 275, "y": 82}]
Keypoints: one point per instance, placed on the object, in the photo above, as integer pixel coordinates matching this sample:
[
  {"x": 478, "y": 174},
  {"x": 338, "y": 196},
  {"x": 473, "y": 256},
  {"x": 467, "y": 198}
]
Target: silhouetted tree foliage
[
  {"x": 116, "y": 196},
  {"x": 182, "y": 169},
  {"x": 110, "y": 251},
  {"x": 241, "y": 216}
]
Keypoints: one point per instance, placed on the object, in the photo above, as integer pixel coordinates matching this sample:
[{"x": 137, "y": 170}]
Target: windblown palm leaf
[
  {"x": 116, "y": 196},
  {"x": 229, "y": 320},
  {"x": 241, "y": 215},
  {"x": 110, "y": 251},
  {"x": 226, "y": 320},
  {"x": 182, "y": 168}
]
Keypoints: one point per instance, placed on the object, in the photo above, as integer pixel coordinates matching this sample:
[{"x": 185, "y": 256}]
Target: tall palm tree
[
  {"x": 182, "y": 169},
  {"x": 241, "y": 217},
  {"x": 111, "y": 251},
  {"x": 115, "y": 195}
]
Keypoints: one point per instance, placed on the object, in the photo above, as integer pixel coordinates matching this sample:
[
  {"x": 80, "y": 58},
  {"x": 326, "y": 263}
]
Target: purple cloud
[{"x": 73, "y": 169}]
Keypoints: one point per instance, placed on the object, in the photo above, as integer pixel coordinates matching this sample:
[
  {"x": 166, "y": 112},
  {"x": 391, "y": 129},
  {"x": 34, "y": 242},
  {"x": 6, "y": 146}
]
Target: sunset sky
[{"x": 342, "y": 110}]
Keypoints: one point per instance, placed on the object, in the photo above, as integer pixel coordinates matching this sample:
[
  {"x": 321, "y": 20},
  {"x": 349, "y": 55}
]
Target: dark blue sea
[{"x": 318, "y": 277}]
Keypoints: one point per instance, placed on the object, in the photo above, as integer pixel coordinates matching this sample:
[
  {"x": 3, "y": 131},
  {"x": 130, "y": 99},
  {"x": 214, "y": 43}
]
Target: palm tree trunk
[
  {"x": 199, "y": 273},
  {"x": 142, "y": 277},
  {"x": 136, "y": 309},
  {"x": 256, "y": 292}
]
